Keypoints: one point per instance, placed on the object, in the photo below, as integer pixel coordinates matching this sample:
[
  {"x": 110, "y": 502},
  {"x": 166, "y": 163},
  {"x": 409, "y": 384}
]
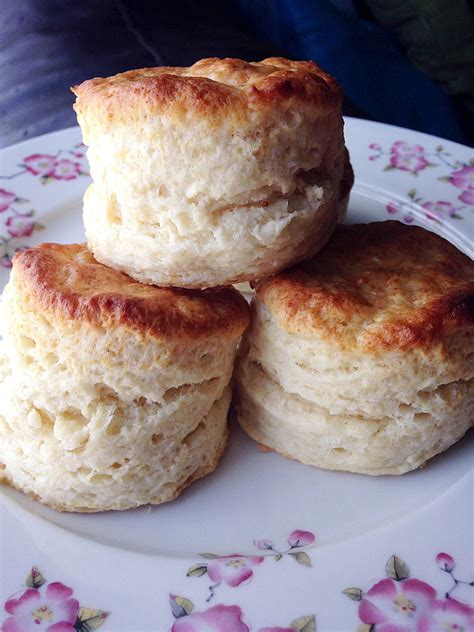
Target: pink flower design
[
  {"x": 392, "y": 208},
  {"x": 263, "y": 545},
  {"x": 445, "y": 562},
  {"x": 467, "y": 196},
  {"x": 50, "y": 610},
  {"x": 408, "y": 157},
  {"x": 463, "y": 178},
  {"x": 40, "y": 164},
  {"x": 233, "y": 569},
  {"x": 438, "y": 210},
  {"x": 216, "y": 619},
  {"x": 65, "y": 170},
  {"x": 397, "y": 606},
  {"x": 6, "y": 198},
  {"x": 449, "y": 615},
  {"x": 374, "y": 146},
  {"x": 300, "y": 538},
  {"x": 413, "y": 164},
  {"x": 20, "y": 225},
  {"x": 402, "y": 148}
]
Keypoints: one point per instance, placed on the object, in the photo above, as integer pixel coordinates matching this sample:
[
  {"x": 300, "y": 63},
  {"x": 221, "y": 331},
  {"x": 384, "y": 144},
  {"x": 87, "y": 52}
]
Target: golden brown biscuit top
[
  {"x": 375, "y": 287},
  {"x": 68, "y": 280},
  {"x": 209, "y": 87}
]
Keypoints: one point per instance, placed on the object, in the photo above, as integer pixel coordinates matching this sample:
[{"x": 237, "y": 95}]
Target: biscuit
[
  {"x": 362, "y": 358},
  {"x": 112, "y": 394},
  {"x": 346, "y": 185},
  {"x": 218, "y": 173}
]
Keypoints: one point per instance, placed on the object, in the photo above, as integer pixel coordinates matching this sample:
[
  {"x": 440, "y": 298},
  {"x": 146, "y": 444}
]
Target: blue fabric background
[
  {"x": 365, "y": 58},
  {"x": 48, "y": 45}
]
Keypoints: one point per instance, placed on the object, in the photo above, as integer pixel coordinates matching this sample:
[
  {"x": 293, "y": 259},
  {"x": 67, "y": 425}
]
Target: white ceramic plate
[{"x": 283, "y": 540}]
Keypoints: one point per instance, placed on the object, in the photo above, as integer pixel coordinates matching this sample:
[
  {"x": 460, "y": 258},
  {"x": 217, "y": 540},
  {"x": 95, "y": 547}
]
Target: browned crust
[
  {"x": 68, "y": 280},
  {"x": 209, "y": 87},
  {"x": 376, "y": 286}
]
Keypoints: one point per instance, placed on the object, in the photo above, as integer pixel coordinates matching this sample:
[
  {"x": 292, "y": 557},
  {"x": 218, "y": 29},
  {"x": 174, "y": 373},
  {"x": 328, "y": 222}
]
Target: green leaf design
[
  {"x": 180, "y": 606},
  {"x": 208, "y": 556},
  {"x": 39, "y": 226},
  {"x": 444, "y": 179},
  {"x": 439, "y": 148},
  {"x": 197, "y": 570},
  {"x": 88, "y": 619},
  {"x": 302, "y": 558},
  {"x": 456, "y": 216},
  {"x": 35, "y": 579},
  {"x": 278, "y": 557},
  {"x": 389, "y": 168},
  {"x": 412, "y": 193},
  {"x": 471, "y": 162},
  {"x": 366, "y": 627},
  {"x": 353, "y": 593},
  {"x": 396, "y": 568},
  {"x": 304, "y": 624}
]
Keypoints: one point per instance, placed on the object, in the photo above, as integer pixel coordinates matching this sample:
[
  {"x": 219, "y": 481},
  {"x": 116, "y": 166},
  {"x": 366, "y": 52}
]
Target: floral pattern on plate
[
  {"x": 17, "y": 216},
  {"x": 49, "y": 607},
  {"x": 65, "y": 164},
  {"x": 225, "y": 618},
  {"x": 437, "y": 211},
  {"x": 17, "y": 221},
  {"x": 414, "y": 159},
  {"x": 236, "y": 569},
  {"x": 399, "y": 603}
]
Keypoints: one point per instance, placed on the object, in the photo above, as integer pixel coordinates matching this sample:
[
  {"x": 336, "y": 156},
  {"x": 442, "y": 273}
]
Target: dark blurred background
[{"x": 404, "y": 62}]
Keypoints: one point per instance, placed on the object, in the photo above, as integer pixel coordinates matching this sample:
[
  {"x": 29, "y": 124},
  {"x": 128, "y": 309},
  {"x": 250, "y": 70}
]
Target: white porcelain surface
[{"x": 127, "y": 564}]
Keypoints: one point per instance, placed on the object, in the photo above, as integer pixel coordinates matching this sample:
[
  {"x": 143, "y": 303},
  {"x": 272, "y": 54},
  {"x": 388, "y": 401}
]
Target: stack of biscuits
[{"x": 118, "y": 355}]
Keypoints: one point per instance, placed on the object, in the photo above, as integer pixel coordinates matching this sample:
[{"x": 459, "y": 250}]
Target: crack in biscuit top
[
  {"x": 68, "y": 280},
  {"x": 376, "y": 287},
  {"x": 210, "y": 87}
]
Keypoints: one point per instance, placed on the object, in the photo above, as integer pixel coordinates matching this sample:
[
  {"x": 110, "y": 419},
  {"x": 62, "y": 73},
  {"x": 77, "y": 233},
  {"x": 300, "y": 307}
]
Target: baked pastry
[
  {"x": 113, "y": 394},
  {"x": 343, "y": 203},
  {"x": 346, "y": 185},
  {"x": 362, "y": 358},
  {"x": 214, "y": 174}
]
